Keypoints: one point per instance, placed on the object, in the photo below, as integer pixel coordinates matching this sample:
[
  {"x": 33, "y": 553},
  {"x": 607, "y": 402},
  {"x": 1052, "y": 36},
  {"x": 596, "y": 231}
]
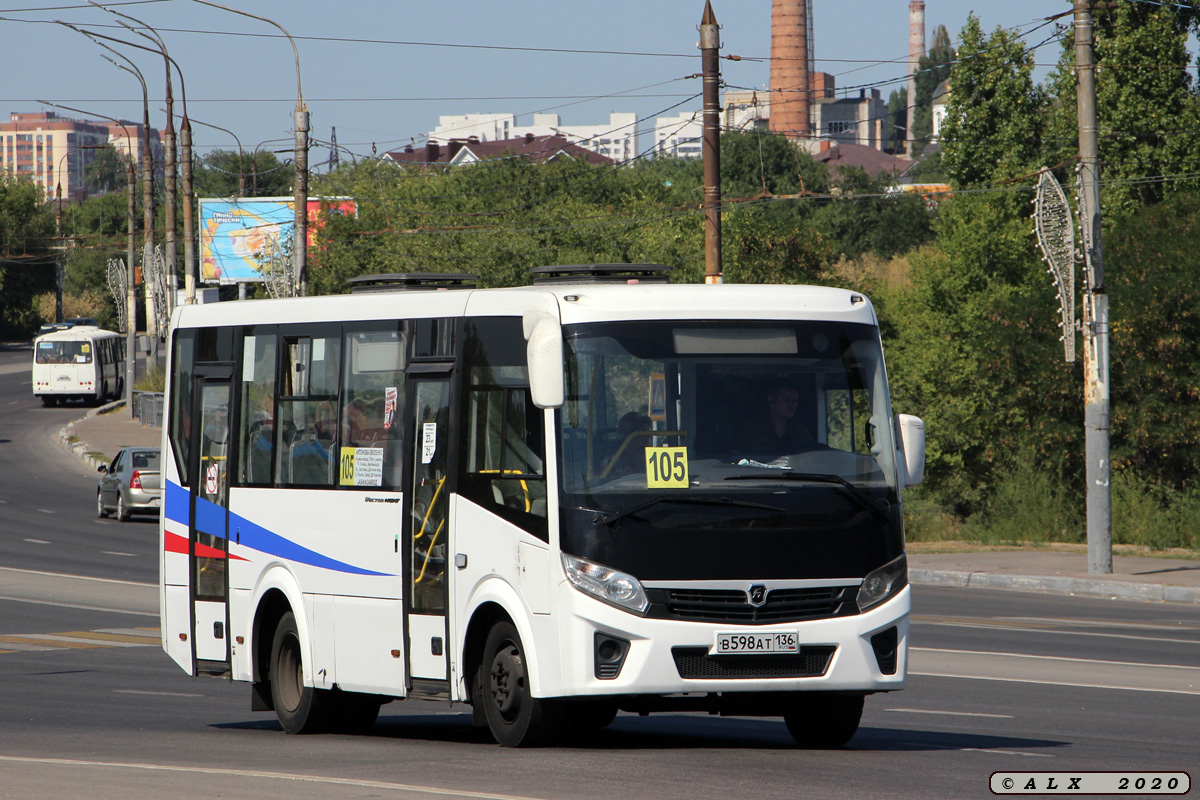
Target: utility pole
[
  {"x": 710, "y": 45},
  {"x": 1096, "y": 378},
  {"x": 130, "y": 289}
]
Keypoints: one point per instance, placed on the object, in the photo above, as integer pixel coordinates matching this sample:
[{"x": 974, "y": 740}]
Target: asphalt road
[
  {"x": 91, "y": 707},
  {"x": 48, "y": 497}
]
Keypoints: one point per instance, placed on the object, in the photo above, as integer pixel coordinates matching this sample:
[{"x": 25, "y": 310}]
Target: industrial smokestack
[
  {"x": 916, "y": 49},
  {"x": 789, "y": 69}
]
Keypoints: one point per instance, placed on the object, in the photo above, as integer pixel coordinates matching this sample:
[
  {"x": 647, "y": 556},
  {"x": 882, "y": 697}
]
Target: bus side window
[
  {"x": 373, "y": 397},
  {"x": 183, "y": 363},
  {"x": 257, "y": 434},
  {"x": 503, "y": 432},
  {"x": 309, "y": 375}
]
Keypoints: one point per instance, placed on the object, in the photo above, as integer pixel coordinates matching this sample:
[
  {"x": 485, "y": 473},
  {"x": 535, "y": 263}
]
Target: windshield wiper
[
  {"x": 857, "y": 493},
  {"x": 612, "y": 517}
]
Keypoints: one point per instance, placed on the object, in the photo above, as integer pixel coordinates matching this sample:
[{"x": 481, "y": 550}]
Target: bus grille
[
  {"x": 732, "y": 605},
  {"x": 810, "y": 662}
]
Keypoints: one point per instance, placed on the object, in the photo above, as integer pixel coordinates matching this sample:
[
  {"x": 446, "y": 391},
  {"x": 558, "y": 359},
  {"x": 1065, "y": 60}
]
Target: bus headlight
[
  {"x": 609, "y": 585},
  {"x": 883, "y": 583}
]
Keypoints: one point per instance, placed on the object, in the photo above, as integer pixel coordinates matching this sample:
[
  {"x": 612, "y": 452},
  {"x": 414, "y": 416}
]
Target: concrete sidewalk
[
  {"x": 97, "y": 437},
  {"x": 1058, "y": 569}
]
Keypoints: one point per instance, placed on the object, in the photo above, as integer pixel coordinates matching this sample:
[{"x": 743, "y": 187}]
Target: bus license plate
[{"x": 744, "y": 643}]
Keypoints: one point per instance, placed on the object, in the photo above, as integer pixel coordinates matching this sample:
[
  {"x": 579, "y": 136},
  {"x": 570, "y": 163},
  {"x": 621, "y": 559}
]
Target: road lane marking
[
  {"x": 47, "y": 511},
  {"x": 263, "y": 775},
  {"x": 949, "y": 713},
  {"x": 79, "y": 606},
  {"x": 37, "y": 541},
  {"x": 112, "y": 637},
  {"x": 150, "y": 633},
  {"x": 115, "y": 553},
  {"x": 1043, "y": 626},
  {"x": 156, "y": 694},
  {"x": 75, "y": 640},
  {"x": 41, "y": 639},
  {"x": 1054, "y": 670},
  {"x": 81, "y": 640}
]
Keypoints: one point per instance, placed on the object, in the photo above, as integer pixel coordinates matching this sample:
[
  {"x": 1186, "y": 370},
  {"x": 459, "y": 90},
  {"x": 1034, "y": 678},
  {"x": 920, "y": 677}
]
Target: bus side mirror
[
  {"x": 544, "y": 351},
  {"x": 910, "y": 444}
]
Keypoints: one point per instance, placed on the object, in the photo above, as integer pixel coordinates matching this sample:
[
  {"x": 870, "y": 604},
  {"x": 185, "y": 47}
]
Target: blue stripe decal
[{"x": 209, "y": 519}]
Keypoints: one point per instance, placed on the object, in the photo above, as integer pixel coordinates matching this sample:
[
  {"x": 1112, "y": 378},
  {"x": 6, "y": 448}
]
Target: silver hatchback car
[{"x": 130, "y": 484}]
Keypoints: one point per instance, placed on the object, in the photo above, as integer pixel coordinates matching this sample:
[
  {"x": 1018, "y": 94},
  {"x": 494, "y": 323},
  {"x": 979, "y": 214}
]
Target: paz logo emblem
[{"x": 758, "y": 594}]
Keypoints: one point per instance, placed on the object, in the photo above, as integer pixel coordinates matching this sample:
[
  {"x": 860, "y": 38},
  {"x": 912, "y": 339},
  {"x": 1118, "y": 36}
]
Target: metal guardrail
[{"x": 148, "y": 407}]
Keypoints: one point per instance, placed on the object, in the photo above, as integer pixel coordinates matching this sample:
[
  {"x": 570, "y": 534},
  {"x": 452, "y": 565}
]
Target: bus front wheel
[
  {"x": 824, "y": 721},
  {"x": 299, "y": 707},
  {"x": 515, "y": 717}
]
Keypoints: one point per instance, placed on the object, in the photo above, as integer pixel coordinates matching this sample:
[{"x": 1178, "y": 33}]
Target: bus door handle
[{"x": 460, "y": 560}]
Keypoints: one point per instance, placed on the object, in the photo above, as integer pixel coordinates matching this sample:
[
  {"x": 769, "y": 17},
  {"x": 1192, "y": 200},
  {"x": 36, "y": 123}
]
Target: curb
[
  {"x": 1055, "y": 584},
  {"x": 80, "y": 447}
]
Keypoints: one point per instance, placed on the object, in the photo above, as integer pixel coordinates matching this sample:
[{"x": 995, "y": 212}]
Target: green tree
[
  {"x": 27, "y": 265},
  {"x": 108, "y": 171},
  {"x": 933, "y": 68},
  {"x": 974, "y": 350},
  {"x": 991, "y": 130},
  {"x": 867, "y": 218},
  {"x": 1146, "y": 104},
  {"x": 897, "y": 121},
  {"x": 1153, "y": 279},
  {"x": 218, "y": 172}
]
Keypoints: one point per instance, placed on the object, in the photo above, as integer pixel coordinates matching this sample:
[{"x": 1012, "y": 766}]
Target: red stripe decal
[{"x": 179, "y": 544}]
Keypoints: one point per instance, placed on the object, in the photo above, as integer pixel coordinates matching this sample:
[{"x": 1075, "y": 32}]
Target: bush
[
  {"x": 1151, "y": 515},
  {"x": 152, "y": 380}
]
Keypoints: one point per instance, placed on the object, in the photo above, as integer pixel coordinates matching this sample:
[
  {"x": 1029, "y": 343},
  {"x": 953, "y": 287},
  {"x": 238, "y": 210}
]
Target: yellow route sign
[{"x": 666, "y": 467}]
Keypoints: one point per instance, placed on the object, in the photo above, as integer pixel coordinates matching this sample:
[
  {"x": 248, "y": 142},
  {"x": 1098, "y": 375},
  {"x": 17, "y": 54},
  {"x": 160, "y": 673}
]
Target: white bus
[
  {"x": 549, "y": 503},
  {"x": 79, "y": 363}
]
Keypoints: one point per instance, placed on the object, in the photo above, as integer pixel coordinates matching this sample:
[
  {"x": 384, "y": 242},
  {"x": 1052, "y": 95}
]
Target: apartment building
[
  {"x": 54, "y": 152},
  {"x": 616, "y": 139}
]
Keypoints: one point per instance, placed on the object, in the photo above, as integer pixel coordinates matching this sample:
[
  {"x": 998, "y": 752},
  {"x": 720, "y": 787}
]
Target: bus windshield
[
  {"x": 63, "y": 353},
  {"x": 726, "y": 424}
]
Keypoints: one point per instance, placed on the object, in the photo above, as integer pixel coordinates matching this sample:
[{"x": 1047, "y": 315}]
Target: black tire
[
  {"x": 122, "y": 512},
  {"x": 49, "y": 401},
  {"x": 590, "y": 715},
  {"x": 300, "y": 708},
  {"x": 515, "y": 717},
  {"x": 101, "y": 511},
  {"x": 824, "y": 721}
]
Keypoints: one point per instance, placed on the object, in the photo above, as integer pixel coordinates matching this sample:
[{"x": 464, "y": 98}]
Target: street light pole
[
  {"x": 185, "y": 139},
  {"x": 130, "y": 289},
  {"x": 300, "y": 229},
  {"x": 710, "y": 45},
  {"x": 1096, "y": 409},
  {"x": 241, "y": 190}
]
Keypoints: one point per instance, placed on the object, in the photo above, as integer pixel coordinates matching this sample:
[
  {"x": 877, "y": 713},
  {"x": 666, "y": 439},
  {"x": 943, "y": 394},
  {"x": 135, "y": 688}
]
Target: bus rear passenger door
[
  {"x": 427, "y": 525},
  {"x": 208, "y": 524}
]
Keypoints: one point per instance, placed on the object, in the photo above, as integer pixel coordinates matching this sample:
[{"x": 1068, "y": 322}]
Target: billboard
[{"x": 235, "y": 235}]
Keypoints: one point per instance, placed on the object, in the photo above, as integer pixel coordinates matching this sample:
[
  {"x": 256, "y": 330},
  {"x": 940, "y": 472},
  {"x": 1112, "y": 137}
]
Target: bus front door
[
  {"x": 427, "y": 527},
  {"x": 208, "y": 525}
]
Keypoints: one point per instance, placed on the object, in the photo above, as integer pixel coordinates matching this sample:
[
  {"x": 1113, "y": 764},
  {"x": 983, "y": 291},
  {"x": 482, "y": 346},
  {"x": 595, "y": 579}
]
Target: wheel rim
[
  {"x": 121, "y": 506},
  {"x": 507, "y": 679},
  {"x": 99, "y": 504},
  {"x": 290, "y": 679}
]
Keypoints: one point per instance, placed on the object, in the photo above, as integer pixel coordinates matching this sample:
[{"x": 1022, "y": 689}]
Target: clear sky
[{"x": 382, "y": 71}]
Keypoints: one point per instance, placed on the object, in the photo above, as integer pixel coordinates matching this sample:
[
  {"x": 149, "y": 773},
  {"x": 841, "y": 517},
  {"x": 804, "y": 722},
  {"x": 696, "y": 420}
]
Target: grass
[{"x": 1035, "y": 508}]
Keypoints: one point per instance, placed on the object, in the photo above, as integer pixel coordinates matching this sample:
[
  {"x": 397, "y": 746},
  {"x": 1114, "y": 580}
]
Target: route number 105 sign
[{"x": 666, "y": 467}]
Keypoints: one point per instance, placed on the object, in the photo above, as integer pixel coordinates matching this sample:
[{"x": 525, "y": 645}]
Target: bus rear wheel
[
  {"x": 49, "y": 401},
  {"x": 824, "y": 721},
  {"x": 515, "y": 717},
  {"x": 300, "y": 708}
]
